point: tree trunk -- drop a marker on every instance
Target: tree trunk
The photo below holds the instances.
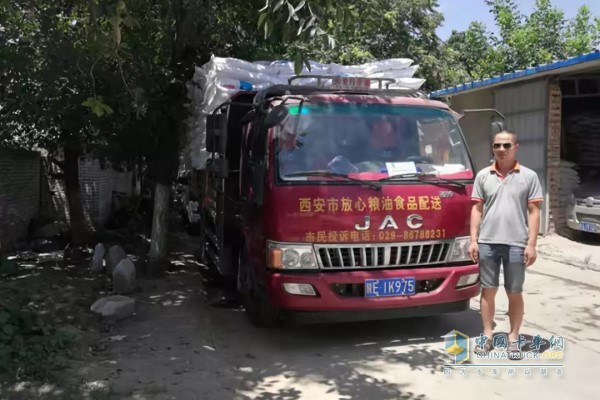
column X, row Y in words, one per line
column 160, row 229
column 167, row 161
column 80, row 234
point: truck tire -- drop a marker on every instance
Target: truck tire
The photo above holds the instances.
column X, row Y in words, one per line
column 259, row 311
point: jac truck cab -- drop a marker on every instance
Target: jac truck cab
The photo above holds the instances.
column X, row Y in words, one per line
column 338, row 200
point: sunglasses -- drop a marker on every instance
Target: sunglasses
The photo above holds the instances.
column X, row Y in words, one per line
column 506, row 146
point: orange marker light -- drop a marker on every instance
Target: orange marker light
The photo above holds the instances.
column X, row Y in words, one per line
column 274, row 258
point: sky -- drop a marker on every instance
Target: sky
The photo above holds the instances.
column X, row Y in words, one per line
column 458, row 14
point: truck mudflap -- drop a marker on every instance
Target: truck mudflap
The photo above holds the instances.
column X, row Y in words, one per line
column 436, row 289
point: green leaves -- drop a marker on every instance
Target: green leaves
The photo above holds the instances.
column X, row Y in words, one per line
column 4, row 317
column 300, row 23
column 97, row 106
column 582, row 34
column 27, row 343
column 298, row 63
column 543, row 36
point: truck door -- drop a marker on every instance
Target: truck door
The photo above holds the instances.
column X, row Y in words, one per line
column 252, row 187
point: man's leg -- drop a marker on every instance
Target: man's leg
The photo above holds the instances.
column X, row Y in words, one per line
column 514, row 276
column 488, row 310
column 516, row 308
column 489, row 273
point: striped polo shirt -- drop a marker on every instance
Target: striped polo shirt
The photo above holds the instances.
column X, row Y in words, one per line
column 505, row 203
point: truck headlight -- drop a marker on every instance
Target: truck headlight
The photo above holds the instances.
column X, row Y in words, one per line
column 290, row 256
column 460, row 249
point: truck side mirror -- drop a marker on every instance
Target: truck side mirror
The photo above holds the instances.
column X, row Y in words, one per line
column 216, row 133
column 497, row 127
column 276, row 116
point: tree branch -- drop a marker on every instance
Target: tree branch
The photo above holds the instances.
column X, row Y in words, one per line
column 92, row 75
column 60, row 164
column 125, row 81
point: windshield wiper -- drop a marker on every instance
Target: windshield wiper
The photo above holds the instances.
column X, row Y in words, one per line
column 422, row 176
column 328, row 174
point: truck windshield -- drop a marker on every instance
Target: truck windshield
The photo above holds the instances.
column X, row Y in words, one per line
column 370, row 142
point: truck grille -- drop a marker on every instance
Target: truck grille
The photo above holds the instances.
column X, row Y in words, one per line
column 381, row 256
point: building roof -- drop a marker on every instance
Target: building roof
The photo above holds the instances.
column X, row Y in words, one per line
column 559, row 67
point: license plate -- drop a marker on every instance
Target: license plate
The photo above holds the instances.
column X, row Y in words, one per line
column 390, row 287
column 585, row 226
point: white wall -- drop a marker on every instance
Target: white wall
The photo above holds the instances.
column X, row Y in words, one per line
column 477, row 126
column 525, row 106
column 97, row 187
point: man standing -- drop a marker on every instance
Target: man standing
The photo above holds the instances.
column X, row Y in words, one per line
column 505, row 221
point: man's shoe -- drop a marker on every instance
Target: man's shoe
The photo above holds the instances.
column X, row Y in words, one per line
column 487, row 347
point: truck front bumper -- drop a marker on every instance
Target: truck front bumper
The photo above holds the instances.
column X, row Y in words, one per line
column 341, row 291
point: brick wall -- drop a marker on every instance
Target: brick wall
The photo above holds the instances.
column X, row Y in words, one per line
column 31, row 189
column 557, row 220
column 19, row 194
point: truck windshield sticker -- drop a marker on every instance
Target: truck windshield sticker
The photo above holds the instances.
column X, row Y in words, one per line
column 397, row 168
column 371, row 203
column 369, row 142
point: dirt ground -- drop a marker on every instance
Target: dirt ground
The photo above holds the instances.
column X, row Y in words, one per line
column 186, row 341
column 162, row 352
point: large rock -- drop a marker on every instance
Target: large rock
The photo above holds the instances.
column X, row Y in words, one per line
column 98, row 258
column 114, row 307
column 113, row 258
column 124, row 281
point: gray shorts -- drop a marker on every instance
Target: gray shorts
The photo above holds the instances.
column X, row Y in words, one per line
column 513, row 264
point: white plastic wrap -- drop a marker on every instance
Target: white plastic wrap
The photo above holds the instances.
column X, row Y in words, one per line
column 220, row 78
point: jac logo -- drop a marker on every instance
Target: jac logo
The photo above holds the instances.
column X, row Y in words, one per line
column 413, row 221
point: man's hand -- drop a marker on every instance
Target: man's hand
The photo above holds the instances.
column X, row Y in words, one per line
column 530, row 255
column 474, row 252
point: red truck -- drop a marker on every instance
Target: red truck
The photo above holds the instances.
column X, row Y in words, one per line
column 332, row 199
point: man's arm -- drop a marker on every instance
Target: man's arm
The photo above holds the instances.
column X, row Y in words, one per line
column 534, row 201
column 476, row 213
column 530, row 254
column 534, row 222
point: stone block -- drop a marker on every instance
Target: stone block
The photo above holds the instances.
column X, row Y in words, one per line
column 124, row 278
column 113, row 257
column 114, row 307
column 98, row 258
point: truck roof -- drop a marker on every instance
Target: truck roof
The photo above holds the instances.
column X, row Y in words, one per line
column 399, row 96
column 388, row 98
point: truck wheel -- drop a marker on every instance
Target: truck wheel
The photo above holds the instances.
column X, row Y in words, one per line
column 259, row 310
